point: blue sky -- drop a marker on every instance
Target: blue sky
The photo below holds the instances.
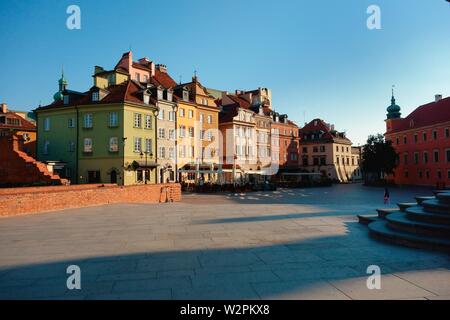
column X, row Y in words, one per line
column 318, row 57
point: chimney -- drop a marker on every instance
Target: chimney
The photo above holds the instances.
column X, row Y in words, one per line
column 3, row 107
column 437, row 97
column 161, row 68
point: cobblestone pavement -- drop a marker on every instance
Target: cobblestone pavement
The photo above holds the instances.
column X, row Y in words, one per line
column 288, row 244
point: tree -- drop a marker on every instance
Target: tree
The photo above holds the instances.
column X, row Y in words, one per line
column 378, row 157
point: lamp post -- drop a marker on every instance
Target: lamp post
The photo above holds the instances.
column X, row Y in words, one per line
column 151, row 156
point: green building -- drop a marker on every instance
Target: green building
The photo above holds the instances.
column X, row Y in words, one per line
column 104, row 135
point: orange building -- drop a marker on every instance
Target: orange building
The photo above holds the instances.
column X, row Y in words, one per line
column 12, row 123
column 422, row 141
column 285, row 142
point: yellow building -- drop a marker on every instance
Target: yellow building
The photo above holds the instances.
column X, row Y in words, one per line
column 198, row 133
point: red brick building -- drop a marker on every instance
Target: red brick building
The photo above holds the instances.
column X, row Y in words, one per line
column 422, row 141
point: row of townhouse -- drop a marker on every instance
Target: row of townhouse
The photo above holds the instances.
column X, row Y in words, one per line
column 137, row 125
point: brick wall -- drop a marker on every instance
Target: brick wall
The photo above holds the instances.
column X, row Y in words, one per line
column 17, row 201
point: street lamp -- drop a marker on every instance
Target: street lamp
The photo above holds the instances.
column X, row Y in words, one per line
column 142, row 155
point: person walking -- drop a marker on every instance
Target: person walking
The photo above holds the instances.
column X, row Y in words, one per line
column 386, row 196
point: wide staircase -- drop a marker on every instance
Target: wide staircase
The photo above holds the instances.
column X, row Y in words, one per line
column 19, row 168
column 422, row 224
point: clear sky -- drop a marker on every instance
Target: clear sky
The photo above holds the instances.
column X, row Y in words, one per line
column 318, row 57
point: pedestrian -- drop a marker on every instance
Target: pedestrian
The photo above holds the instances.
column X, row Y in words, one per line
column 386, row 196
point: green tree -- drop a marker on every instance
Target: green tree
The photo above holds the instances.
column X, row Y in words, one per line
column 378, row 157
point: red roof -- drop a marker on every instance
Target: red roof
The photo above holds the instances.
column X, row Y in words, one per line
column 241, row 102
column 24, row 124
column 164, row 79
column 425, row 115
column 319, row 126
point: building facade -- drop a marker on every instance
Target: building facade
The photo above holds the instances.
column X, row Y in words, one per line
column 422, row 141
column 285, row 142
column 104, row 135
column 329, row 152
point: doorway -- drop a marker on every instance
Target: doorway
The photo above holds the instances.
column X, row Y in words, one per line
column 113, row 177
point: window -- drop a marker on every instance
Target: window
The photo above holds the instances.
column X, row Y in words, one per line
column 415, row 138
column 87, row 145
column 137, row 144
column 447, row 155
column 337, row 160
column 425, row 157
column 315, row 149
column 185, row 95
column 88, row 120
column 209, row 136
column 434, row 135
column 397, row 141
column 47, row 124
column 190, row 114
column 182, row 131
column 171, row 116
column 145, row 78
column 439, row 174
column 436, row 156
column 172, row 134
column 161, row 115
column 202, row 134
column 424, row 136
column 148, row 145
column 337, row 148
column 113, row 144
column 315, row 161
column 113, row 119
column 305, row 150
column 162, row 152
column 209, row 120
column 405, row 140
column 160, row 94
column 181, row 112
column 182, row 151
column 66, row 99
column 322, row 148
column 405, row 158
column 427, row 174
column 71, row 123
column 46, row 147
column 137, row 120
column 137, row 76
column 161, row 133
column 71, row 146
column 95, row 96
column 202, row 118
column 148, row 121
column 191, row 132
column 171, row 153
column 448, row 174
column 447, row 132
column 416, row 157
column 305, row 161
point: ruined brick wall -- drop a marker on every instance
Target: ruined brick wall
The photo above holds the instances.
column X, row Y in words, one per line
column 16, row 201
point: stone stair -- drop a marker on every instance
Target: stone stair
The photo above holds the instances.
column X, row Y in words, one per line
column 19, row 168
column 425, row 224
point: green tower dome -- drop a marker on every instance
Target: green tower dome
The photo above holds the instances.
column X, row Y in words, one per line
column 62, row 82
column 393, row 111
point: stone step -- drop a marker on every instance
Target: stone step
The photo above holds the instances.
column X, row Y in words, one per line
column 436, row 206
column 435, row 192
column 365, row 219
column 383, row 212
column 418, row 213
column 379, row 230
column 443, row 197
column 399, row 221
column 423, row 198
column 404, row 205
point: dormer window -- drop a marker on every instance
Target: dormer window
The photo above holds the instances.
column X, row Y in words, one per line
column 95, row 96
column 185, row 95
column 146, row 98
column 138, row 77
column 66, row 99
column 169, row 95
column 160, row 94
column 145, row 78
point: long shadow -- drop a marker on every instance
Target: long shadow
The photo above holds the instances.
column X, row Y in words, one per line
column 308, row 268
column 275, row 217
column 355, row 194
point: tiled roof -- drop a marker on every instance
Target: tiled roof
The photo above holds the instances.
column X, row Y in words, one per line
column 318, row 125
column 164, row 79
column 128, row 91
column 23, row 123
column 425, row 115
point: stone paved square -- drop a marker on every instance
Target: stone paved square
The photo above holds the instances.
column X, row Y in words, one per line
column 287, row 244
